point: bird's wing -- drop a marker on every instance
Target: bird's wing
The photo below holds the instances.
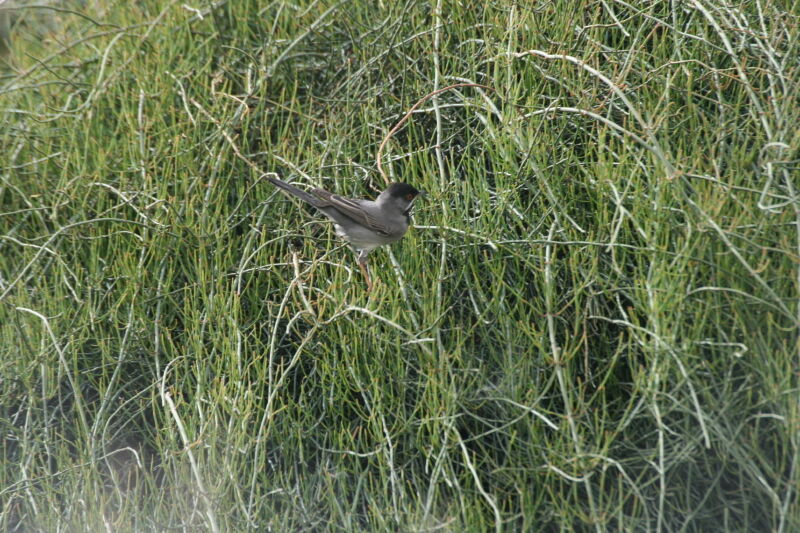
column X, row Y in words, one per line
column 352, row 209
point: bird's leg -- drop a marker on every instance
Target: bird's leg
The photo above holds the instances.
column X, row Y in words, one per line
column 362, row 264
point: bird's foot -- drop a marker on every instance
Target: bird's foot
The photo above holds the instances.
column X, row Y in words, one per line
column 365, row 272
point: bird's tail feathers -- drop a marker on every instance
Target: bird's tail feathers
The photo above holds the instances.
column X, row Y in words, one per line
column 291, row 189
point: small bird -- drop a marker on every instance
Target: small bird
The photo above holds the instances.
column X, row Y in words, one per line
column 365, row 224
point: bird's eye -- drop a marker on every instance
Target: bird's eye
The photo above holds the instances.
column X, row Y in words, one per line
column 409, row 197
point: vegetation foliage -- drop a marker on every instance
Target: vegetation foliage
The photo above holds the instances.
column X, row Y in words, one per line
column 592, row 326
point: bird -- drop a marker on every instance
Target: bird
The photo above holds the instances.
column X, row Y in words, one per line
column 364, row 224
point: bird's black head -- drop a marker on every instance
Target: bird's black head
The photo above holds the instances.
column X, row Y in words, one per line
column 401, row 190
column 400, row 195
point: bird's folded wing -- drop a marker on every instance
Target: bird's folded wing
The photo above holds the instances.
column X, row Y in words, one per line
column 352, row 209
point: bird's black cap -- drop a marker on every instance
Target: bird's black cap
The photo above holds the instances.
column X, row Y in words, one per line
column 402, row 190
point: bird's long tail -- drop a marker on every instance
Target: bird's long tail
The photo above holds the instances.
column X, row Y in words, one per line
column 303, row 195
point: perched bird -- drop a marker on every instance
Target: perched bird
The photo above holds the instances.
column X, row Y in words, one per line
column 365, row 224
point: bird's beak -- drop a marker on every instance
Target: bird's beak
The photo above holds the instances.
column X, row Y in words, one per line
column 423, row 193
